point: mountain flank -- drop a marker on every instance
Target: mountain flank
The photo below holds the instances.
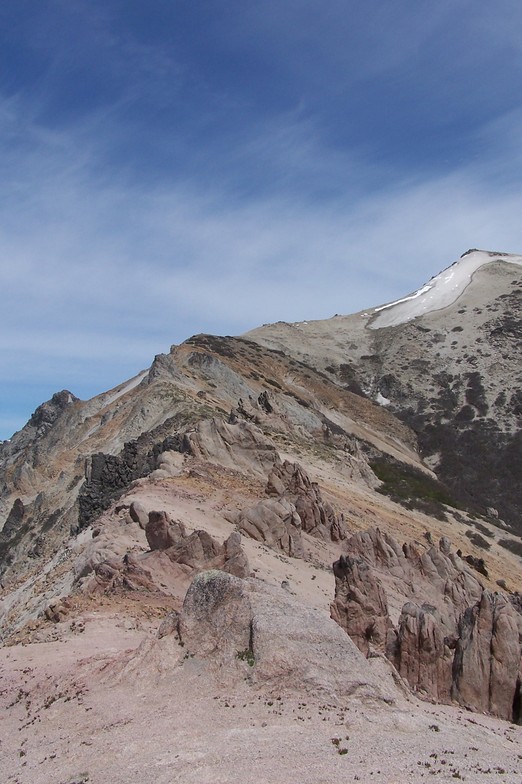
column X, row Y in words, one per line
column 307, row 532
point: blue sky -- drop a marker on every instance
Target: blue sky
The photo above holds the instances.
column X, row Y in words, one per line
column 168, row 168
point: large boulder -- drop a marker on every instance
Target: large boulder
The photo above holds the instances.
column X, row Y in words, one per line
column 138, row 514
column 261, row 630
column 162, row 532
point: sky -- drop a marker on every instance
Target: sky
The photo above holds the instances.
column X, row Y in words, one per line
column 173, row 167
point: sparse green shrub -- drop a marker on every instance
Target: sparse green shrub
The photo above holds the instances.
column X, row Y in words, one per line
column 411, row 488
column 478, row 540
column 513, row 545
column 483, row 529
column 246, row 655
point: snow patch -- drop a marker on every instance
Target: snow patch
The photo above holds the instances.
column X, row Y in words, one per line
column 119, row 391
column 441, row 291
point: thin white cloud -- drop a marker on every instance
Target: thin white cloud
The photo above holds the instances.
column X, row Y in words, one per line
column 98, row 273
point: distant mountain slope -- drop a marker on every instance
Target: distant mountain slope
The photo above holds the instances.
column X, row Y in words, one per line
column 74, row 457
column 447, row 361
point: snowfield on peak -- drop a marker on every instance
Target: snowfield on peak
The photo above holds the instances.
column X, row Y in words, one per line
column 440, row 292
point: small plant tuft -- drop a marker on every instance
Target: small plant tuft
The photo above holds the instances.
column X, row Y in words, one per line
column 246, row 655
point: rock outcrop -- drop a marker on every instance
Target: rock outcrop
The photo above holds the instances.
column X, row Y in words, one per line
column 174, row 557
column 463, row 645
column 198, row 550
column 294, row 506
column 421, row 653
column 488, row 657
column 127, row 573
column 437, row 576
column 265, row 633
column 275, row 522
column 318, row 518
column 239, row 445
column 360, row 606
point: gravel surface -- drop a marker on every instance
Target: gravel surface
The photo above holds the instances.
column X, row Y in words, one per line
column 113, row 704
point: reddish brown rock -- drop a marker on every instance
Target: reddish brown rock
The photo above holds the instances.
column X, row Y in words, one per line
column 198, row 550
column 274, row 522
column 162, row 532
column 58, row 610
column 126, row 573
column 360, row 606
column 488, row 657
column 436, row 575
column 236, row 562
column 318, row 517
column 421, row 654
column 463, row 646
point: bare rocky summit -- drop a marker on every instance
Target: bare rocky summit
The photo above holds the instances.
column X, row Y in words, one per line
column 166, row 554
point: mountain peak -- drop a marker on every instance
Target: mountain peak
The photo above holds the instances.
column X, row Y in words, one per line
column 441, row 291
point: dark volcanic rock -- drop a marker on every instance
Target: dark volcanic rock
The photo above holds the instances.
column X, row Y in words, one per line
column 108, row 476
column 47, row 414
column 14, row 519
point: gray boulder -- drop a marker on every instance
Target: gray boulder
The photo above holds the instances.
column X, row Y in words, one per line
column 265, row 633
